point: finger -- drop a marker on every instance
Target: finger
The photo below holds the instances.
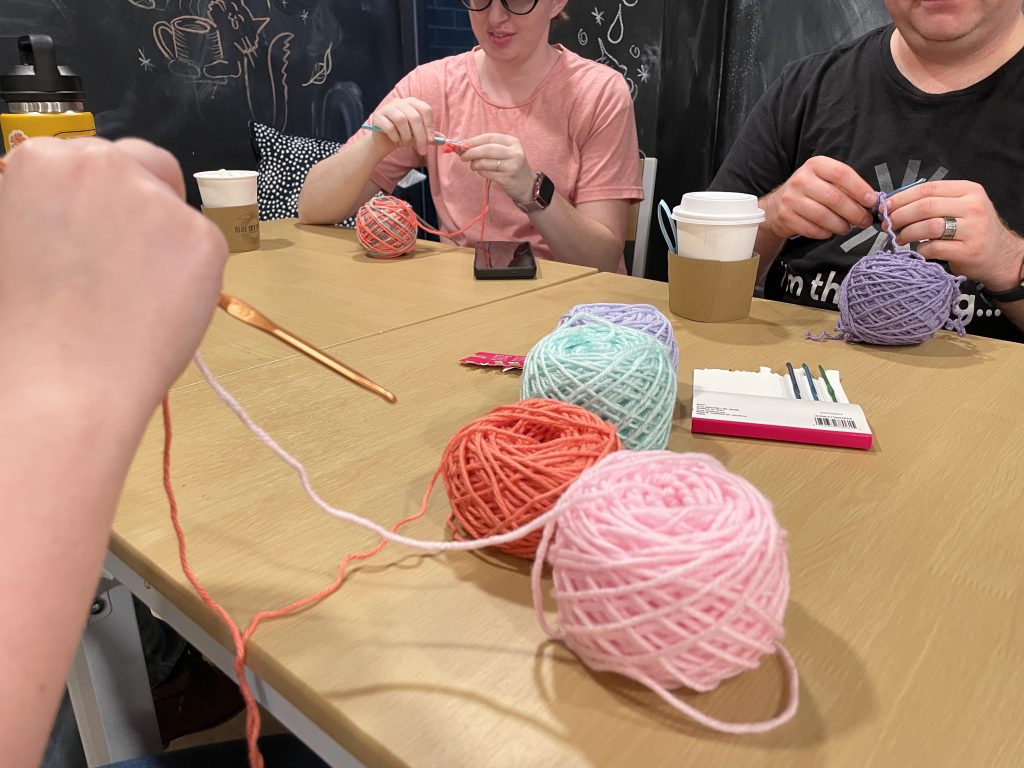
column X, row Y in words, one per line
column 843, row 177
column 810, row 208
column 500, row 139
column 479, row 153
column 417, row 128
column 403, row 115
column 804, row 227
column 941, row 188
column 928, row 208
column 387, row 127
column 953, row 252
column 158, row 161
column 929, row 229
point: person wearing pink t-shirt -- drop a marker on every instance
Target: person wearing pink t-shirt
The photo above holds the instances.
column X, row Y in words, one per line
column 554, row 133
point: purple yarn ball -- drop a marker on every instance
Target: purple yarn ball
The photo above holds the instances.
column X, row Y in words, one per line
column 894, row 298
column 642, row 317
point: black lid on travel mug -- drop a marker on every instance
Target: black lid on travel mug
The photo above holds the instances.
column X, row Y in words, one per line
column 37, row 77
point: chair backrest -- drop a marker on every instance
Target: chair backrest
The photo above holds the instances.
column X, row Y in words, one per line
column 640, row 218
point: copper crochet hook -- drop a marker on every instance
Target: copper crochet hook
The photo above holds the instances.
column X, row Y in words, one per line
column 250, row 315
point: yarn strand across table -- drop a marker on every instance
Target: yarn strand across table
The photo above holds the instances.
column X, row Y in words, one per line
column 544, row 521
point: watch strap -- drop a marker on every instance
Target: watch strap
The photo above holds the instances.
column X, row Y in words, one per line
column 538, row 201
column 1014, row 294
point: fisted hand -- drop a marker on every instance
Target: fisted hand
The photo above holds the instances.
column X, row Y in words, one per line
column 107, row 278
column 824, row 197
column 975, row 242
column 404, row 123
column 501, row 159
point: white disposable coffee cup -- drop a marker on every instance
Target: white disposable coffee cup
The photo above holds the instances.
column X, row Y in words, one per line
column 717, row 226
column 227, row 189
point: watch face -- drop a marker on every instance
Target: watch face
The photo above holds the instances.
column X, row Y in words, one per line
column 546, row 191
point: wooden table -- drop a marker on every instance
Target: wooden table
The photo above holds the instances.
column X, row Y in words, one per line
column 907, row 561
column 299, row 268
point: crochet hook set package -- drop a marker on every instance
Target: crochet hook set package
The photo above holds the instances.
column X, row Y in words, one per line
column 786, row 407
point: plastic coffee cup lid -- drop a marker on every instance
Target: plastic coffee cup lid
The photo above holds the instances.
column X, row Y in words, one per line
column 224, row 174
column 718, row 208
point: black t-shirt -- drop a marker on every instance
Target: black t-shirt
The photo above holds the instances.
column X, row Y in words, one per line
column 852, row 104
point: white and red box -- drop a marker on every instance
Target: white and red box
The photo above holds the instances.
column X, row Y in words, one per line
column 763, row 405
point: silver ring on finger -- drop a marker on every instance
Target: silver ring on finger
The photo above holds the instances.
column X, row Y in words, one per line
column 949, row 233
column 497, row 166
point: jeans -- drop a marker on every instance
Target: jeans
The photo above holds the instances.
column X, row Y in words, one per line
column 161, row 647
column 283, row 751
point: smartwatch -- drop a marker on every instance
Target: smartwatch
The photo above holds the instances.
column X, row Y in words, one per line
column 1014, row 294
column 543, row 192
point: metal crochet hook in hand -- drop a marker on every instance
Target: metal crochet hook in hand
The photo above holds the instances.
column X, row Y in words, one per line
column 239, row 310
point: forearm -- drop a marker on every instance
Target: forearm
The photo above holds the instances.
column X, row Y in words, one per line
column 337, row 186
column 578, row 239
column 1013, row 252
column 63, row 459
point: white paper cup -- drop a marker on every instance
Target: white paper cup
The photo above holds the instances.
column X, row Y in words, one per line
column 717, row 226
column 227, row 189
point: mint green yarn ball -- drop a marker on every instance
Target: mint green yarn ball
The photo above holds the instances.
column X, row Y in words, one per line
column 620, row 374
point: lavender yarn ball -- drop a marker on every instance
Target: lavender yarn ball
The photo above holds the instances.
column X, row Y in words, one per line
column 620, row 374
column 892, row 298
column 642, row 317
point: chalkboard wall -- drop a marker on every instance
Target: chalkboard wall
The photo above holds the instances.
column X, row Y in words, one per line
column 190, row 74
column 762, row 36
column 626, row 35
column 697, row 67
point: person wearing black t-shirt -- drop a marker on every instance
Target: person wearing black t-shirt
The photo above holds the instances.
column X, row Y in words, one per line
column 938, row 94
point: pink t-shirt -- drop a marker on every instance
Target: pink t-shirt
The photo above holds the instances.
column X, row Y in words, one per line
column 577, row 126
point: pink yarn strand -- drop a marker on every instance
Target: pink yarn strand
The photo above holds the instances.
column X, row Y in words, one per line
column 752, row 571
column 349, row 517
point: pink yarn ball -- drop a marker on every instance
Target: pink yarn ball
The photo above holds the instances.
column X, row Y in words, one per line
column 386, row 227
column 667, row 569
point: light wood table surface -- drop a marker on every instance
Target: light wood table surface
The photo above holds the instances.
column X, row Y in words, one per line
column 906, row 619
column 317, row 282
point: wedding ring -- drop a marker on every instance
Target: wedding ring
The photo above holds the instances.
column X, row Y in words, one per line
column 950, row 231
column 497, row 166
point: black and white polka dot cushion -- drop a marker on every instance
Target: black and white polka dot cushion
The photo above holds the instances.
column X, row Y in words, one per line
column 284, row 161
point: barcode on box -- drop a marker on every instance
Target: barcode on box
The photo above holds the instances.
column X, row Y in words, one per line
column 827, row 421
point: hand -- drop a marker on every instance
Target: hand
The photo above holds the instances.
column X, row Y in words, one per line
column 501, row 159
column 404, row 123
column 983, row 248
column 824, row 197
column 107, row 279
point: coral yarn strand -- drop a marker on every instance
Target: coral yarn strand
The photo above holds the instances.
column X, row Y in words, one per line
column 240, row 639
column 485, row 209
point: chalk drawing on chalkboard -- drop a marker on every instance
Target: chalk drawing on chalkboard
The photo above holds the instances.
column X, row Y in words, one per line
column 611, row 37
column 616, row 29
column 145, row 62
column 321, row 70
column 226, row 44
column 150, row 5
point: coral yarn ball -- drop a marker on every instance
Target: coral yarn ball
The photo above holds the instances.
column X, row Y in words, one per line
column 642, row 317
column 668, row 569
column 386, row 227
column 511, row 465
column 621, row 374
column 897, row 298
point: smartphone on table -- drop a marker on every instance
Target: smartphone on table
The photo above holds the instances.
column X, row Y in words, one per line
column 504, row 260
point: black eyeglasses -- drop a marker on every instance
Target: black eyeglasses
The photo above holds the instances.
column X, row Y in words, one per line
column 517, row 7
